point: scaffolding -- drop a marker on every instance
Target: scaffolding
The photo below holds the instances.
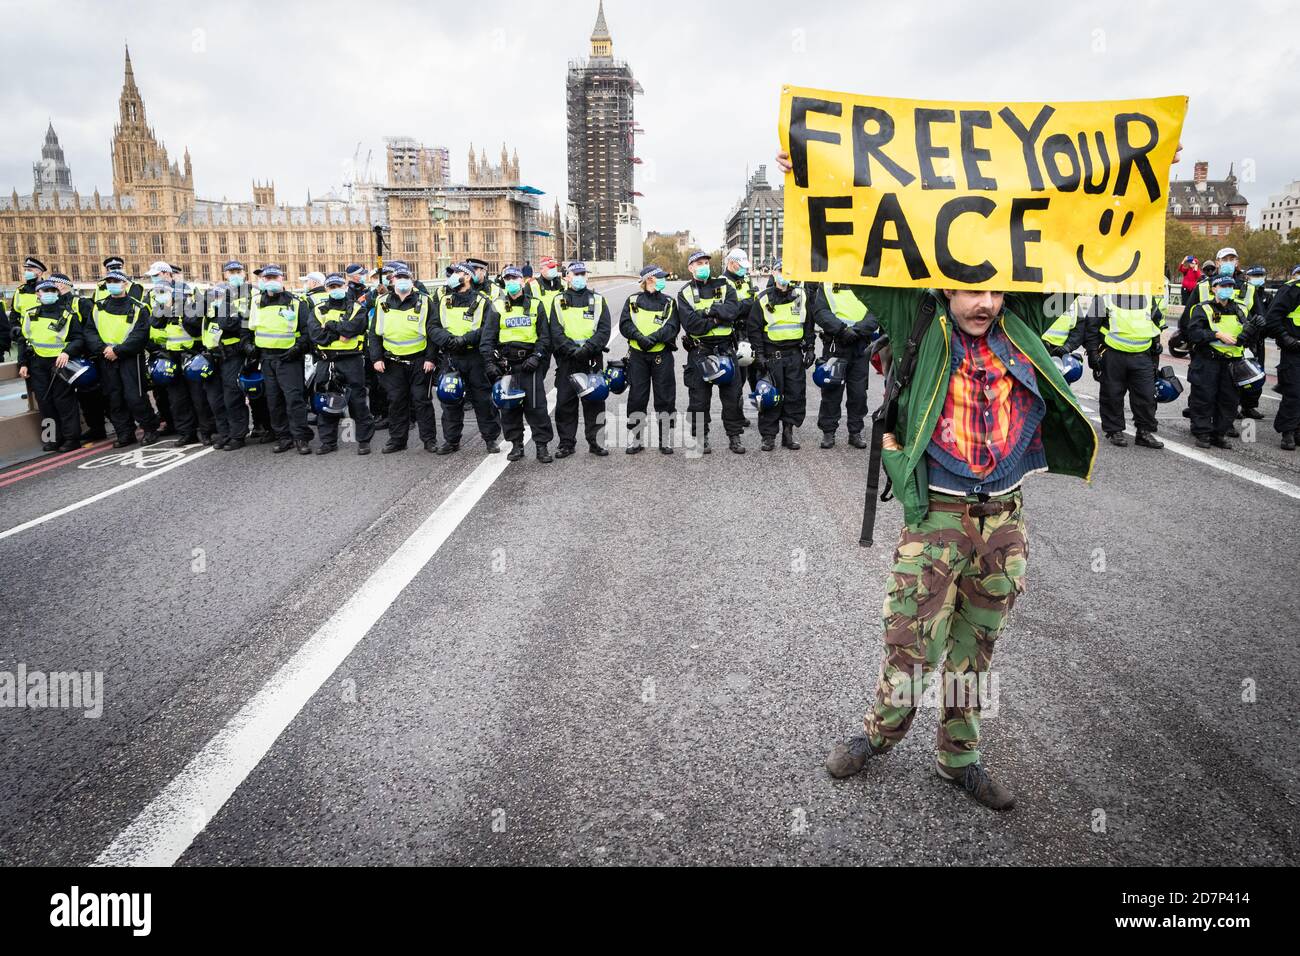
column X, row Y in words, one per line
column 599, row 112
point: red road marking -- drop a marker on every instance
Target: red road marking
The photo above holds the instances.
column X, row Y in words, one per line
column 39, row 467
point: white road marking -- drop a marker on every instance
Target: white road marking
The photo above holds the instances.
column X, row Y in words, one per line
column 1239, row 471
column 165, row 828
column 75, row 506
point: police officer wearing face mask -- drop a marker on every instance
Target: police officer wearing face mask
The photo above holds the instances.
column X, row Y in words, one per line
column 580, row 327
column 337, row 326
column 360, row 293
column 116, row 335
column 404, row 355
column 736, row 271
column 781, row 329
column 277, row 321
column 51, row 334
column 177, row 327
column 1282, row 322
column 115, row 264
column 709, row 314
column 649, row 323
column 25, row 296
column 1255, row 300
column 91, row 401
column 481, row 280
column 549, row 283
column 1213, row 331
column 226, row 341
column 456, row 328
column 516, row 341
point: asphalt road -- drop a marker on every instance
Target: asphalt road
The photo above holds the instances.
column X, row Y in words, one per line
column 639, row 660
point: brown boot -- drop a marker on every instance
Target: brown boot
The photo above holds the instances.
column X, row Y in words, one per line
column 849, row 757
column 975, row 780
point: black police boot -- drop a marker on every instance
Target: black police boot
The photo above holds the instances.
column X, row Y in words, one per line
column 187, row 440
column 975, row 780
column 151, row 438
column 856, row 440
column 124, row 441
column 735, row 444
column 493, row 447
column 1117, row 439
column 597, row 450
column 769, row 443
column 1288, row 441
column 1221, row 441
column 448, row 448
column 1202, row 441
column 363, row 448
column 516, row 451
column 50, row 446
column 564, row 451
column 634, row 447
column 303, row 446
column 431, row 446
column 544, row 456
column 849, row 757
column 787, row 438
column 234, row 444
column 1232, row 432
column 1254, row 413
column 392, row 447
column 327, row 449
column 665, row 446
column 1148, row 440
column 68, row 446
column 828, row 440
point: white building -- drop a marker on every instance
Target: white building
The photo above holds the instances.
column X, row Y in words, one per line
column 1282, row 214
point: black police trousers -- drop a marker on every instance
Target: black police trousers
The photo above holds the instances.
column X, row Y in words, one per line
column 700, row 397
column 645, row 369
column 407, row 386
column 93, row 404
column 857, row 370
column 188, row 401
column 224, row 392
column 284, row 395
column 1288, row 383
column 533, row 408
column 785, row 369
column 351, row 371
column 60, row 415
column 567, row 405
column 1213, row 399
column 128, row 405
column 478, row 393
column 1134, row 373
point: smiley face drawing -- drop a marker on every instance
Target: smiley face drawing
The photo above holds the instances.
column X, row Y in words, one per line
column 1107, row 219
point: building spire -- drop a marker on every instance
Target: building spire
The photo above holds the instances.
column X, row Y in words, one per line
column 602, row 45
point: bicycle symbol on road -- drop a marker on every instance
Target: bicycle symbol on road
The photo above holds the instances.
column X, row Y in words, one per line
column 151, row 457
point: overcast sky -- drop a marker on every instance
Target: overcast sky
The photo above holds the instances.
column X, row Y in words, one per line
column 286, row 91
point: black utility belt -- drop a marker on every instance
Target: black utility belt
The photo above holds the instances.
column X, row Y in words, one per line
column 784, row 346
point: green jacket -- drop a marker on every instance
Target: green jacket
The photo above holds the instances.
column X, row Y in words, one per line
column 1069, row 440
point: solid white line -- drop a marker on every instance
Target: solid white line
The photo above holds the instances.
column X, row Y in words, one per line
column 102, row 495
column 168, row 825
column 1240, row 471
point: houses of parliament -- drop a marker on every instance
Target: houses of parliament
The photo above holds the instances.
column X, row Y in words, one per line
column 154, row 214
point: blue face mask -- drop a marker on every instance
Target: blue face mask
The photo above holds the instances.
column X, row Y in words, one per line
column 29, row 275
column 1227, row 268
column 1257, row 282
column 1224, row 292
column 339, row 293
column 514, row 287
column 403, row 285
column 272, row 287
column 235, row 280
column 49, row 298
column 551, row 273
column 781, row 281
column 661, row 284
column 579, row 283
column 114, row 288
column 742, row 271
column 702, row 273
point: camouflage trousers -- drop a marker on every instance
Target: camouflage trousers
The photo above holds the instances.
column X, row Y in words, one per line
column 954, row 580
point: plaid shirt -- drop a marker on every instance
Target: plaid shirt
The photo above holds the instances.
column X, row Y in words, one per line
column 987, row 409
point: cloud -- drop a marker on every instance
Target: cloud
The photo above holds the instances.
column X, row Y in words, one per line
column 287, row 91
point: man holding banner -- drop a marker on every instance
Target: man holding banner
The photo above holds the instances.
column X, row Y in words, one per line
column 949, row 219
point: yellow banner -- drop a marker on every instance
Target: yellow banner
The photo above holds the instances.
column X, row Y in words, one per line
column 1008, row 196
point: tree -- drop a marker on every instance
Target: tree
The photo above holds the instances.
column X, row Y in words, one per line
column 663, row 252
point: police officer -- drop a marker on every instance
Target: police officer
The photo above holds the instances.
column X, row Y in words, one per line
column 226, row 343
column 1213, row 328
column 359, row 292
column 481, row 281
column 91, row 400
column 1122, row 338
column 115, row 264
column 1065, row 335
column 405, row 355
column 25, row 296
column 116, row 336
column 736, row 271
column 1282, row 322
column 709, row 315
column 277, row 320
column 456, row 329
column 580, row 329
column 313, row 287
column 51, row 334
column 847, row 329
column 1255, row 300
column 337, row 327
column 549, row 283
column 516, row 341
column 649, row 323
column 781, row 329
column 160, row 296
column 1226, row 263
column 177, row 327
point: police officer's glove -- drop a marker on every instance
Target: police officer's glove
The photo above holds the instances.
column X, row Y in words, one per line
column 1289, row 342
column 809, row 357
column 1060, row 351
column 846, row 336
column 494, row 371
column 248, row 348
column 1158, row 348
column 530, row 364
